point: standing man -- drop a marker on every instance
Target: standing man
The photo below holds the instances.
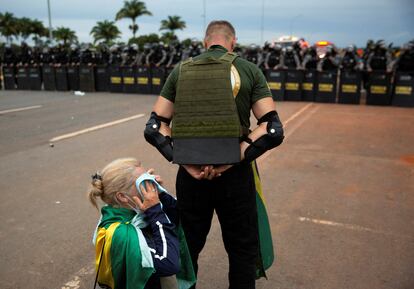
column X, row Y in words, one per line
column 209, row 98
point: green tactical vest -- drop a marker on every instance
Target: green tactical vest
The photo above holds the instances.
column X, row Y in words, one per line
column 206, row 127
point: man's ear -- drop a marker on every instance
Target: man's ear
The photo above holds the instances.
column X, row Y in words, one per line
column 233, row 43
column 205, row 44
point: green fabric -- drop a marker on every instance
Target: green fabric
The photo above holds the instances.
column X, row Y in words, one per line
column 126, row 259
column 204, row 104
column 266, row 253
column 127, row 271
column 186, row 277
column 126, row 267
column 253, row 83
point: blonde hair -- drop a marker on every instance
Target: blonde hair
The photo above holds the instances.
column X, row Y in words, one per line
column 220, row 27
column 117, row 176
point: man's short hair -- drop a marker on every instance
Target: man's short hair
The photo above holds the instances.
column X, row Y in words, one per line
column 220, row 27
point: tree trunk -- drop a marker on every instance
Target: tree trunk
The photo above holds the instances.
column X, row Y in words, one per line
column 134, row 31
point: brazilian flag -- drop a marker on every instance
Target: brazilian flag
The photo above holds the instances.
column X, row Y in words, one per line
column 121, row 266
column 266, row 254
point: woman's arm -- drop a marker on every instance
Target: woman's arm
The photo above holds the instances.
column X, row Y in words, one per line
column 163, row 243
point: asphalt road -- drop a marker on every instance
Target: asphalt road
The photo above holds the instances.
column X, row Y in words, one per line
column 339, row 192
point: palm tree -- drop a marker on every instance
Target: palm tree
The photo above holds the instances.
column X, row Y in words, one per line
column 24, row 27
column 38, row 30
column 168, row 36
column 106, row 31
column 172, row 23
column 65, row 34
column 132, row 9
column 8, row 26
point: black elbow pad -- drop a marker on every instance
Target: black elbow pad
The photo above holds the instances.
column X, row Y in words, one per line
column 273, row 138
column 152, row 135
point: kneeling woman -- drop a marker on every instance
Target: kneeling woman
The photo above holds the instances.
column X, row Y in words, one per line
column 138, row 243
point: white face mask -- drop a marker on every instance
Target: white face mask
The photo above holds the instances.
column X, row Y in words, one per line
column 133, row 207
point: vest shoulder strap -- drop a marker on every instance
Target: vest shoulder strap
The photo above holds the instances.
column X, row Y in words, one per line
column 189, row 60
column 229, row 57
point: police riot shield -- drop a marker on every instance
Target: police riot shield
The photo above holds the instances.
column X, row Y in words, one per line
column 350, row 87
column 35, row 78
column 73, row 77
column 9, row 77
column 115, row 79
column 143, row 80
column 157, row 79
column 404, row 89
column 129, row 79
column 326, row 87
column 48, row 75
column 379, row 88
column 276, row 82
column 86, row 78
column 308, row 85
column 293, row 85
column 22, row 78
column 168, row 71
column 102, row 78
column 61, row 78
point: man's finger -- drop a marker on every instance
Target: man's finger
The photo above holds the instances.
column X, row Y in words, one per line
column 151, row 171
column 212, row 174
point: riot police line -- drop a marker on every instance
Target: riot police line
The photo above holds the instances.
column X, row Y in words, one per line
column 301, row 74
column 294, row 72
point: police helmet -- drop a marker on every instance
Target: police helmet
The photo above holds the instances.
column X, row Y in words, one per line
column 380, row 44
column 147, row 46
column 85, row 46
column 194, row 42
column 277, row 47
column 289, row 49
column 73, row 47
column 350, row 48
column 410, row 45
column 113, row 48
column 134, row 47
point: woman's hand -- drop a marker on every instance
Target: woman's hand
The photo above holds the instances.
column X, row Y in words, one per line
column 150, row 196
column 157, row 177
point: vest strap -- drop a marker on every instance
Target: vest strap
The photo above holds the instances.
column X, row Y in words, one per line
column 229, row 57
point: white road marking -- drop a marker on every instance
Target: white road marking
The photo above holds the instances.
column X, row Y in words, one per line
column 301, row 121
column 351, row 227
column 291, row 131
column 20, row 109
column 90, row 129
column 296, row 114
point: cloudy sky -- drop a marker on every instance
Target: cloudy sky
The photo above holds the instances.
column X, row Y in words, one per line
column 342, row 22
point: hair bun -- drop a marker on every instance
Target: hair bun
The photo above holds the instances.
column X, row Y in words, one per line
column 97, row 184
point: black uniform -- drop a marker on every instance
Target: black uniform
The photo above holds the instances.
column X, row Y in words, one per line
column 157, row 55
column 310, row 59
column 405, row 61
column 274, row 58
column 291, row 59
column 350, row 60
column 329, row 62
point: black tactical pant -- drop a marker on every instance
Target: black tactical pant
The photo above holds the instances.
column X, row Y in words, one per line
column 233, row 197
